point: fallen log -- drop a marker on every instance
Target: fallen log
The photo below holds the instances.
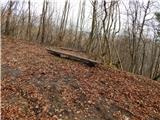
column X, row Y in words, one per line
column 86, row 61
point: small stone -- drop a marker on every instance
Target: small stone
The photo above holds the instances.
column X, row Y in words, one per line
column 89, row 102
column 37, row 106
column 78, row 112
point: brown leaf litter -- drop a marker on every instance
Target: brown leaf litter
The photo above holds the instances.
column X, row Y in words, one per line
column 39, row 86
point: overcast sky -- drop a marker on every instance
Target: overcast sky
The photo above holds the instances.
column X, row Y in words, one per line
column 59, row 4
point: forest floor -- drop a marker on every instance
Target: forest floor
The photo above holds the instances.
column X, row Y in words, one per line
column 36, row 85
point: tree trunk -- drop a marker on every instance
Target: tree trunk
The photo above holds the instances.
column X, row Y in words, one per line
column 9, row 13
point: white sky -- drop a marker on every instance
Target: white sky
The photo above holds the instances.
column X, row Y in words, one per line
column 59, row 4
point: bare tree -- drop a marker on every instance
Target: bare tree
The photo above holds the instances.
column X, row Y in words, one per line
column 94, row 17
column 28, row 33
column 63, row 23
column 141, row 34
column 77, row 24
column 9, row 13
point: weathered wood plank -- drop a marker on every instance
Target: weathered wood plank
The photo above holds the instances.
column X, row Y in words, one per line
column 68, row 49
column 87, row 61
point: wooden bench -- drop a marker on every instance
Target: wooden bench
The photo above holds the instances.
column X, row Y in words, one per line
column 66, row 55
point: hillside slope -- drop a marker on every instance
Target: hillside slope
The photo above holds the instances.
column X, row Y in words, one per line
column 37, row 85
